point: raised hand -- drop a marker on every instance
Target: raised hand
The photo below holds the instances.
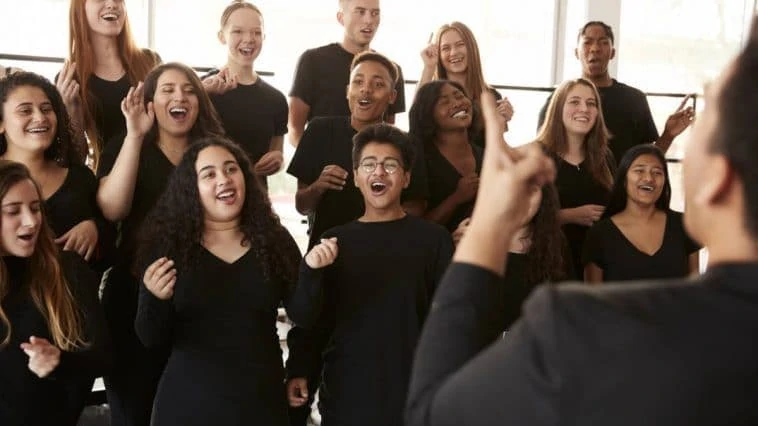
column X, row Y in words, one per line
column 82, row 238
column 430, row 56
column 139, row 117
column 332, row 177
column 297, row 391
column 160, row 278
column 68, row 87
column 270, row 163
column 43, row 356
column 680, row 119
column 323, row 254
column 220, row 83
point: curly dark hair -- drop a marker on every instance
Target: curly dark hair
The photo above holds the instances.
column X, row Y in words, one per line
column 207, row 123
column 174, row 227
column 619, row 195
column 384, row 134
column 61, row 149
column 547, row 259
column 421, row 123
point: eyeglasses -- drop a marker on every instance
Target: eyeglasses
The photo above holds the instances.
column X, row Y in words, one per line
column 389, row 165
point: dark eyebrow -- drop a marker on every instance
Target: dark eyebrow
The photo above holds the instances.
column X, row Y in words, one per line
column 211, row 166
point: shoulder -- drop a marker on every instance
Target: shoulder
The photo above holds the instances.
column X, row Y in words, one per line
column 320, row 52
column 433, row 230
column 627, row 90
column 270, row 90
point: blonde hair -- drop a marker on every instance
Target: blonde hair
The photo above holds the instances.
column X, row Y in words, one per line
column 136, row 62
column 235, row 6
column 45, row 279
column 552, row 134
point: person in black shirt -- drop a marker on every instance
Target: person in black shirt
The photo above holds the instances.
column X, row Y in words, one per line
column 163, row 116
column 254, row 113
column 318, row 87
column 677, row 352
column 454, row 55
column 225, row 365
column 52, row 336
column 625, row 108
column 373, row 315
column 440, row 120
column 103, row 62
column 639, row 236
column 575, row 136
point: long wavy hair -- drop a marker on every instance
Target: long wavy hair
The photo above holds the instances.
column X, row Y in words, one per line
column 44, row 276
column 137, row 63
column 553, row 137
column 61, row 149
column 208, row 122
column 421, row 123
column 545, row 258
column 174, row 227
column 619, row 195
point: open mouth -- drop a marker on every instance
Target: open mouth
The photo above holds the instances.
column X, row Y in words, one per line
column 247, row 51
column 364, row 102
column 367, row 31
column 42, row 129
column 646, row 188
column 110, row 17
column 226, row 195
column 456, row 60
column 178, row 113
column 378, row 187
column 26, row 237
column 582, row 119
column 462, row 114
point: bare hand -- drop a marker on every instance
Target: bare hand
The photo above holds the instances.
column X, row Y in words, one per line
column 43, row 356
column 505, row 112
column 220, row 83
column 139, row 118
column 587, row 214
column 332, row 177
column 460, row 231
column 160, row 278
column 297, row 391
column 430, row 56
column 82, row 238
column 467, row 187
column 270, row 163
column 323, row 254
column 680, row 119
column 68, row 87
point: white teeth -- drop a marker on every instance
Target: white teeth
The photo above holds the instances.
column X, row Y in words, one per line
column 647, row 188
column 178, row 110
column 246, row 51
column 226, row 194
column 456, row 60
column 110, row 16
column 38, row 130
column 460, row 114
column 377, row 186
column 363, row 102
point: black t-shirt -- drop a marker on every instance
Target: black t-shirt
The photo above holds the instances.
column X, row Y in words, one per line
column 608, row 248
column 108, row 95
column 329, row 140
column 321, row 78
column 74, row 201
column 153, row 173
column 25, row 399
column 252, row 114
column 627, row 116
column 374, row 299
column 443, row 177
column 477, row 128
column 576, row 187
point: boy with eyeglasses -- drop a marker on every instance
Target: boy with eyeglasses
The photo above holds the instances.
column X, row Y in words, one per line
column 368, row 283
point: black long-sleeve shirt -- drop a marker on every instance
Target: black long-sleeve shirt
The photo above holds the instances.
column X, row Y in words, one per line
column 26, row 399
column 660, row 353
column 372, row 301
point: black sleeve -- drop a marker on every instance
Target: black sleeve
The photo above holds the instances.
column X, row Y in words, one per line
column 109, row 155
column 543, row 112
column 444, row 255
column 513, row 381
column 399, row 105
column 650, row 132
column 155, row 318
column 281, row 116
column 593, row 250
column 305, row 306
column 307, row 162
column 303, row 86
column 690, row 245
column 418, row 189
column 93, row 359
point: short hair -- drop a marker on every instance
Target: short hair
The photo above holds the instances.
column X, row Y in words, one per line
column 379, row 58
column 736, row 136
column 384, row 134
column 618, row 199
column 607, row 28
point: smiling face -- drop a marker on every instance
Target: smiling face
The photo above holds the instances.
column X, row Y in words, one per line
column 645, row 180
column 29, row 121
column 453, row 109
column 176, row 103
column 21, row 219
column 370, row 92
column 243, row 36
column 105, row 17
column 580, row 110
column 453, row 53
column 381, row 176
column 361, row 20
column 221, row 185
